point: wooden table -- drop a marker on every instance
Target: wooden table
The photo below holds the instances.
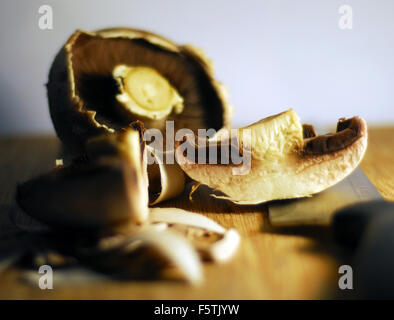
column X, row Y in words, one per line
column 298, row 263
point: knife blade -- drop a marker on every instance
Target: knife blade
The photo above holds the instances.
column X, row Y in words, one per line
column 319, row 209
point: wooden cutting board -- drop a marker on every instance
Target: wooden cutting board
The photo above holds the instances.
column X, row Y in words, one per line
column 272, row 263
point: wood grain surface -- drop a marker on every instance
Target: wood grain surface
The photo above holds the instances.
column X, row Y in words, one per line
column 293, row 263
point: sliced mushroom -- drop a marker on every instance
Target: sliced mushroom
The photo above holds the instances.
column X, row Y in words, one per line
column 101, row 81
column 166, row 180
column 144, row 255
column 212, row 240
column 110, row 190
column 287, row 160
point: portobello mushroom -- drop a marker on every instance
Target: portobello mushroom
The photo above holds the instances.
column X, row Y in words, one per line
column 102, row 81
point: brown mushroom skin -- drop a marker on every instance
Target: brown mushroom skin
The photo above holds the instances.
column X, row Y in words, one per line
column 75, row 121
column 72, row 126
column 348, row 131
column 80, row 196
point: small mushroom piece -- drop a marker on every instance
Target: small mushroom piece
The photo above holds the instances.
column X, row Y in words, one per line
column 144, row 255
column 213, row 242
column 166, row 180
column 281, row 159
column 108, row 191
column 101, row 81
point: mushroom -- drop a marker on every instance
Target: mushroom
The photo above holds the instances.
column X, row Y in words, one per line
column 213, row 242
column 166, row 180
column 108, row 190
column 281, row 159
column 106, row 194
column 143, row 254
column 101, row 81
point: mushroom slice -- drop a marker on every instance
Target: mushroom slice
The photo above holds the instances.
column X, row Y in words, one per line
column 166, row 181
column 110, row 190
column 101, row 81
column 212, row 240
column 144, row 254
column 279, row 162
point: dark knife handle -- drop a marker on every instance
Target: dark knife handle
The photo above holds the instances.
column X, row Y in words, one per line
column 368, row 227
column 349, row 224
column 373, row 263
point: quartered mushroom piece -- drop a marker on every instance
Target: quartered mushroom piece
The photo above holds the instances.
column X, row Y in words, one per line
column 107, row 190
column 101, row 81
column 282, row 159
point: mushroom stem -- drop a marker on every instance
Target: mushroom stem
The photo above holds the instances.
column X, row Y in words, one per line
column 144, row 91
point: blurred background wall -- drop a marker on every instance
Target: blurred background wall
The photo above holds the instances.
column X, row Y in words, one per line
column 271, row 54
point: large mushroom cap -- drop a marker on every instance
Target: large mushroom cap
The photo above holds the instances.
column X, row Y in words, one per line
column 282, row 159
column 90, row 80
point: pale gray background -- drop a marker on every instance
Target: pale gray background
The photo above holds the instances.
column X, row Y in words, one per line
column 272, row 55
